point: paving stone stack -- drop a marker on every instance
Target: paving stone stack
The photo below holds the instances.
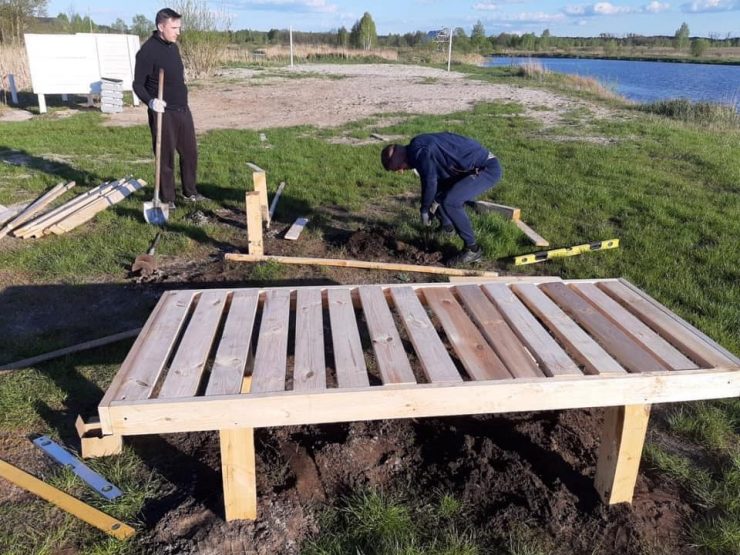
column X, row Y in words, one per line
column 111, row 95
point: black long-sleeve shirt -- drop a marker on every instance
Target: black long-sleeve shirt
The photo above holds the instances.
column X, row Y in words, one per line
column 441, row 156
column 154, row 54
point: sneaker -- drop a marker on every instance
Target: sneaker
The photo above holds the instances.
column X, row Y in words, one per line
column 197, row 197
column 170, row 205
column 466, row 256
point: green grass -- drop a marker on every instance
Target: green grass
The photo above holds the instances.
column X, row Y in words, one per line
column 667, row 189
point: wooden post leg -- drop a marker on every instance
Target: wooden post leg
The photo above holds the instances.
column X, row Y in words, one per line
column 254, row 224
column 238, row 469
column 622, row 438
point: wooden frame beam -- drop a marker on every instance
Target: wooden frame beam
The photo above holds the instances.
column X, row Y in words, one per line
column 413, row 401
column 344, row 263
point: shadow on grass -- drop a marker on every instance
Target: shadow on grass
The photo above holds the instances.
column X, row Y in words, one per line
column 15, row 157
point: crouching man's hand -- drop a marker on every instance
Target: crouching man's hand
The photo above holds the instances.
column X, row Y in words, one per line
column 426, row 218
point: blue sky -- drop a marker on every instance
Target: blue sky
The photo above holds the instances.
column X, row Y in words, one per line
column 562, row 17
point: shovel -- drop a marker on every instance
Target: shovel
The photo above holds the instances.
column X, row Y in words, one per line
column 146, row 264
column 155, row 212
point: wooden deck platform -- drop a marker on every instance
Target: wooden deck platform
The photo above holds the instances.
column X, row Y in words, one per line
column 233, row 360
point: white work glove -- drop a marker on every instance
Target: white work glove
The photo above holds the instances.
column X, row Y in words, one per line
column 157, row 105
column 426, row 218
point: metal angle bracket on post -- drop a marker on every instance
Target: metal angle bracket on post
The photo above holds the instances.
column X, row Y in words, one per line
column 84, row 472
column 567, row 251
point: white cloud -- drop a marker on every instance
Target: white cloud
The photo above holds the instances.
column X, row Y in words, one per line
column 656, row 7
column 699, row 6
column 599, row 8
column 527, row 17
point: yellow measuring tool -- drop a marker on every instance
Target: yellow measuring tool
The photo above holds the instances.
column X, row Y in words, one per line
column 567, row 251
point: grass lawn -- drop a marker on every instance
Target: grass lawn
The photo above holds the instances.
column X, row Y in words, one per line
column 670, row 191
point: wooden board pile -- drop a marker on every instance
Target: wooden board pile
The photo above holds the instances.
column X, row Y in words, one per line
column 33, row 222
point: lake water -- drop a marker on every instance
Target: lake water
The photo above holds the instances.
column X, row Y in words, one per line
column 649, row 81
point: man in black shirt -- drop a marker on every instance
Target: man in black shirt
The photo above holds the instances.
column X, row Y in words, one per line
column 178, row 131
column 453, row 170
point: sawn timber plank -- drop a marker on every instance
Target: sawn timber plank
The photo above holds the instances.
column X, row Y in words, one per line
column 577, row 342
column 393, row 363
column 186, row 370
column 233, row 351
column 270, row 361
column 435, row 361
column 349, row 359
column 309, row 371
column 478, row 358
column 552, row 358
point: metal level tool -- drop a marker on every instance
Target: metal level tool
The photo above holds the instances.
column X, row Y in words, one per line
column 567, row 251
column 85, row 473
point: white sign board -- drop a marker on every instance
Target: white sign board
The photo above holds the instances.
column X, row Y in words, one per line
column 74, row 64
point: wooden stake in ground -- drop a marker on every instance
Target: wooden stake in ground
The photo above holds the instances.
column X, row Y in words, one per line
column 273, row 204
column 64, row 501
column 359, row 264
column 255, row 245
column 259, row 179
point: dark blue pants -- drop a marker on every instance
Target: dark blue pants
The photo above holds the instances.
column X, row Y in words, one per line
column 452, row 197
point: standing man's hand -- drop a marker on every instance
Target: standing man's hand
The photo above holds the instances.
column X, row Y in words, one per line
column 157, row 105
column 426, row 218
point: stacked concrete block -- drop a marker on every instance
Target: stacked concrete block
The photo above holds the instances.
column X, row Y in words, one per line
column 111, row 95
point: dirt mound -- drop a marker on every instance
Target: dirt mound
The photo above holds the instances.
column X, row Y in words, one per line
column 379, row 243
column 530, row 469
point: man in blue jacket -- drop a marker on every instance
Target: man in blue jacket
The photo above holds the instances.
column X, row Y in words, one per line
column 453, row 170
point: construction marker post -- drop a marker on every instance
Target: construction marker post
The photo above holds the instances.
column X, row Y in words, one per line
column 567, row 251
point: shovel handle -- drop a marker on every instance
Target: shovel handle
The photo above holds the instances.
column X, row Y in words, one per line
column 158, row 146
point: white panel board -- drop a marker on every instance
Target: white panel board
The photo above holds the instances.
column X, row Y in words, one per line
column 74, row 64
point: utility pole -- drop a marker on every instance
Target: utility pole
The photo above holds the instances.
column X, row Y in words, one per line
column 449, row 51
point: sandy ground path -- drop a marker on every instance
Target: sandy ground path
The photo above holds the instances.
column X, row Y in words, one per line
column 327, row 95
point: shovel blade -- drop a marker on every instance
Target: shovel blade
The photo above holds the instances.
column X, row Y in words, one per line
column 156, row 214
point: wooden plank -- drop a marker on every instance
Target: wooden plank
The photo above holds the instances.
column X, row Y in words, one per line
column 238, row 470
column 186, row 370
column 349, row 360
column 673, row 331
column 620, row 317
column 295, row 230
column 66, row 502
column 479, row 360
column 89, row 211
column 36, row 207
column 504, row 341
column 270, row 361
column 483, row 206
column 259, row 179
column 255, row 244
column 146, row 360
column 577, row 342
column 504, row 279
column 622, row 439
column 435, row 361
column 234, row 349
column 631, row 354
column 551, row 357
column 92, row 344
column 393, row 363
column 358, row 264
column 420, row 400
column 309, row 371
column 35, row 227
column 531, row 234
column 9, row 212
column 275, row 199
